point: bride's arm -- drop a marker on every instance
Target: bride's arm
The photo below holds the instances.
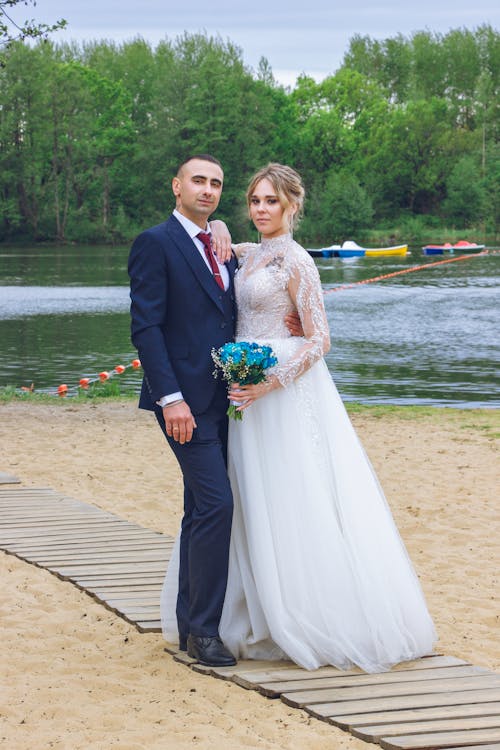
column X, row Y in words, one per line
column 305, row 290
column 221, row 239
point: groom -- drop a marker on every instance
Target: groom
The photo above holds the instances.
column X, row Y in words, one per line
column 182, row 305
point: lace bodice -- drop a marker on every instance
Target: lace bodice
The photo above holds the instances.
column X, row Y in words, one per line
column 275, row 278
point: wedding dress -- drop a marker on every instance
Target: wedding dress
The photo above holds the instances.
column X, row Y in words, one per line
column 317, row 571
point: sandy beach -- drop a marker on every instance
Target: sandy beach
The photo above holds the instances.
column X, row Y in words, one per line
column 77, row 676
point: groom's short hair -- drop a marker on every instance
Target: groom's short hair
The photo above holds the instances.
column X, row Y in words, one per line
column 201, row 157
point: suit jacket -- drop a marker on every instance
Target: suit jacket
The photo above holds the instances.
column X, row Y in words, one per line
column 178, row 314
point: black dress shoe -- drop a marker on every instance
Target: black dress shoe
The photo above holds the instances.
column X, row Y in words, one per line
column 210, row 651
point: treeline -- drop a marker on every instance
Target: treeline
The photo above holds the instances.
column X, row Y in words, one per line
column 405, row 134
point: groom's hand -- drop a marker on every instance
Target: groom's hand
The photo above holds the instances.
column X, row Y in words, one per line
column 179, row 422
column 292, row 322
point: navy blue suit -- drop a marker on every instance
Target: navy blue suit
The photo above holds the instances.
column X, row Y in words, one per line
column 178, row 314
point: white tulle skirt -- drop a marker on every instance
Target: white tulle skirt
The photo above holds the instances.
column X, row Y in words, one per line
column 318, row 572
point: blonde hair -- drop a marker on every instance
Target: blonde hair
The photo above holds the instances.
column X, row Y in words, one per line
column 287, row 184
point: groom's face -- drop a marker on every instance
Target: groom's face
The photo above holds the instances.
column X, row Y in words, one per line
column 197, row 188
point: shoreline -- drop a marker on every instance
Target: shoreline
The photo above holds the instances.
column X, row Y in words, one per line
column 79, row 676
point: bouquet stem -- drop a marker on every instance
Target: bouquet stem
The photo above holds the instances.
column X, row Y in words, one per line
column 233, row 412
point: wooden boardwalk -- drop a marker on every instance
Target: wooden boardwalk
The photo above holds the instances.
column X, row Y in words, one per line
column 431, row 703
column 120, row 564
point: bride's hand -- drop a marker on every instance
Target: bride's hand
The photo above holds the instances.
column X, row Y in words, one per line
column 221, row 240
column 243, row 396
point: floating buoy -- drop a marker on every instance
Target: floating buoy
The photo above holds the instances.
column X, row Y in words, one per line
column 85, row 383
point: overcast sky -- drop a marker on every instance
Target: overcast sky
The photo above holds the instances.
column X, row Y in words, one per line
column 296, row 37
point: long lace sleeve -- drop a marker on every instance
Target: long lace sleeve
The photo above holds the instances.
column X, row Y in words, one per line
column 305, row 291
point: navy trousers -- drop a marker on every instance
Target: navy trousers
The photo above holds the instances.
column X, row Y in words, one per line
column 206, row 525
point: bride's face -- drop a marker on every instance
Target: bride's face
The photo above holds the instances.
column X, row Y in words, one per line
column 266, row 211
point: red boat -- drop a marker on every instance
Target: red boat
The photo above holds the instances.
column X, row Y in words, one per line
column 462, row 247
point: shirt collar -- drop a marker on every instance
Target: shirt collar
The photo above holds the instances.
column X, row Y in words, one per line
column 191, row 228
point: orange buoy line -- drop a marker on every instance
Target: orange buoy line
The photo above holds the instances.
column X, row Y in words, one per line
column 84, row 383
column 405, row 270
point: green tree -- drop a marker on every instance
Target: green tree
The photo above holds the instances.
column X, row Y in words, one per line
column 465, row 200
column 491, row 186
column 408, row 157
column 12, row 30
column 338, row 208
column 24, row 138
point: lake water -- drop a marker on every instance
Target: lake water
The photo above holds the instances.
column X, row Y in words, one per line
column 426, row 337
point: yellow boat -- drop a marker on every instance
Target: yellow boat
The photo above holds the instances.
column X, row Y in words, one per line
column 395, row 250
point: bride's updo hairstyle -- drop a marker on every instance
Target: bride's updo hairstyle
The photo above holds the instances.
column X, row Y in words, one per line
column 288, row 186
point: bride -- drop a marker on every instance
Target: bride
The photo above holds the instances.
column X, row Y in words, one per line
column 317, row 571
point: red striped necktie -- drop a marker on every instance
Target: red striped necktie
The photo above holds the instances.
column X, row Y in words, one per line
column 207, row 243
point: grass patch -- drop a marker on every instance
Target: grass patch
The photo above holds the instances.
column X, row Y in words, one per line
column 487, row 421
column 402, row 412
column 96, row 391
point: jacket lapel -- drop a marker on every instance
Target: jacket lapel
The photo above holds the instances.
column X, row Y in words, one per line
column 190, row 252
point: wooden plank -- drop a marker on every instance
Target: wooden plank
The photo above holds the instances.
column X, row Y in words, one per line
column 148, row 626
column 489, row 746
column 348, row 680
column 51, row 511
column 17, row 496
column 437, row 740
column 129, row 596
column 416, row 714
column 139, row 613
column 137, row 579
column 89, row 547
column 79, row 542
column 373, row 733
column 75, row 537
column 8, row 478
column 126, row 565
column 73, row 519
column 19, row 491
column 297, row 673
column 118, row 583
column 86, row 525
column 49, row 532
column 139, row 574
column 331, row 711
column 100, row 569
column 228, row 673
column 303, row 697
column 142, row 555
column 127, row 589
column 136, row 606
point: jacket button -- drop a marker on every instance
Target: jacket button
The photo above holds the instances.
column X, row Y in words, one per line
column 222, row 325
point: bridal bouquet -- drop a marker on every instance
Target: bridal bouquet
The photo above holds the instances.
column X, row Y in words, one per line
column 242, row 363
